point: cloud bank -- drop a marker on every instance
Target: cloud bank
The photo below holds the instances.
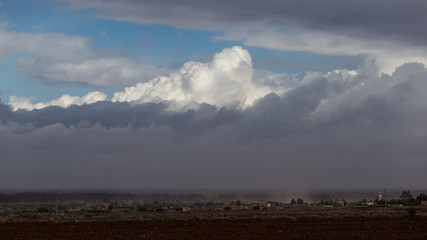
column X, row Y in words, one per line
column 335, row 130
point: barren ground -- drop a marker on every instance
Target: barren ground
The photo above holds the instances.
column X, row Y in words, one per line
column 286, row 224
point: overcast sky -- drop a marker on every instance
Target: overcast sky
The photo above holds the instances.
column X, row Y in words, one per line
column 213, row 94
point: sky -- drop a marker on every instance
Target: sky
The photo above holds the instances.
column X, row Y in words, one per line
column 213, row 94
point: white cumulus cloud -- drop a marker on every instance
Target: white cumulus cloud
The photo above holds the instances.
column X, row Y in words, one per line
column 226, row 80
column 64, row 101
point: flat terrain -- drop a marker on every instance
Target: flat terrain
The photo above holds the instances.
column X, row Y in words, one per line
column 290, row 224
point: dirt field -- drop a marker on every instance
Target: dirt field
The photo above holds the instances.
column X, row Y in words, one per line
column 247, row 225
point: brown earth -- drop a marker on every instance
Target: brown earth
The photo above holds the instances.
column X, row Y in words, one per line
column 223, row 226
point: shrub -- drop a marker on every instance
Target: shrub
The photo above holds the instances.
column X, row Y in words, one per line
column 42, row 210
column 411, row 212
column 141, row 208
column 95, row 211
column 159, row 209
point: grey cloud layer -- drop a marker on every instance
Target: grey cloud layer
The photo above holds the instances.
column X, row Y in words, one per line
column 336, row 130
column 390, row 32
column 388, row 19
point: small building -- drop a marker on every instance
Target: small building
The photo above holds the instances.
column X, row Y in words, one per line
column 423, row 203
column 339, row 203
column 186, row 209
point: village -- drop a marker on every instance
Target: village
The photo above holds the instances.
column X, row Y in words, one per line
column 153, row 215
column 104, row 203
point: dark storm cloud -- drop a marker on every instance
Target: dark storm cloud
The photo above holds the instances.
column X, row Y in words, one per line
column 336, row 130
column 122, row 115
column 391, row 19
